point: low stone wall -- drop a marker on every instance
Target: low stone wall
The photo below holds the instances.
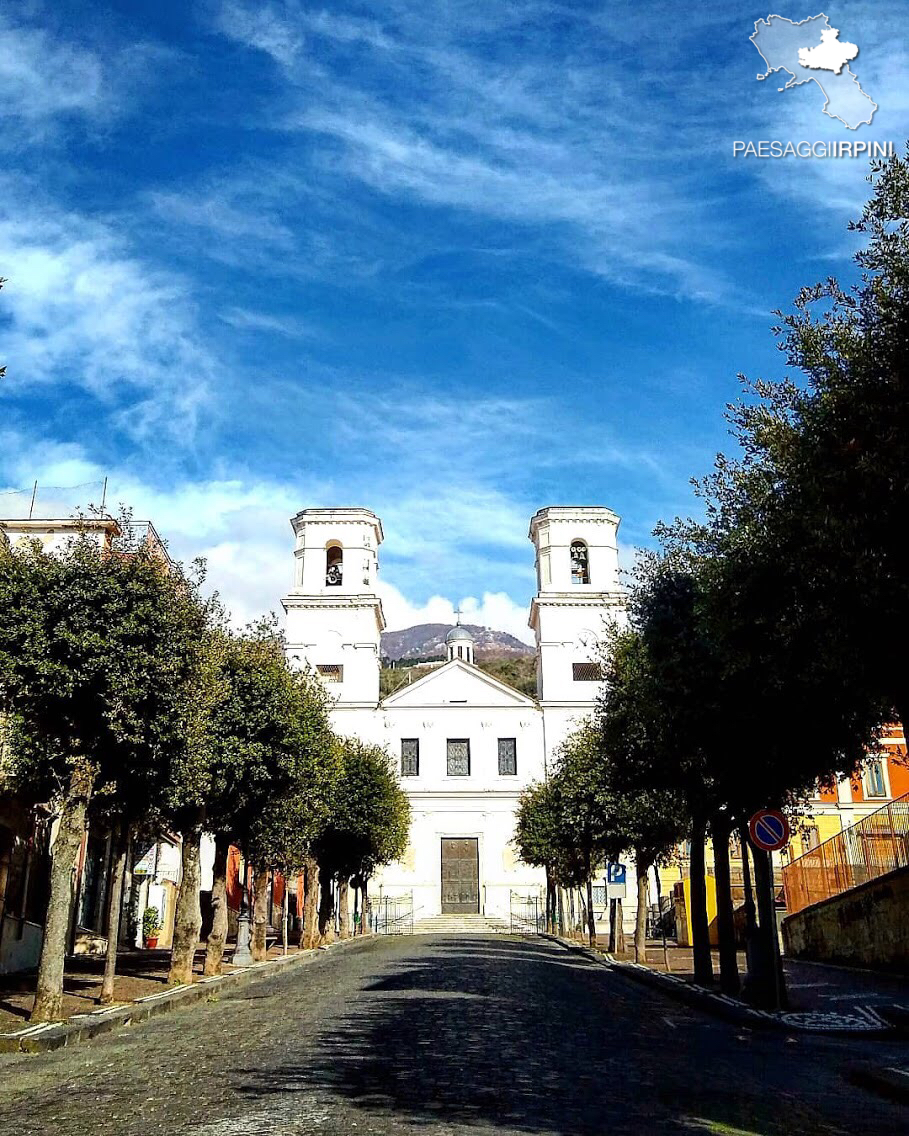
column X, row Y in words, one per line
column 867, row 926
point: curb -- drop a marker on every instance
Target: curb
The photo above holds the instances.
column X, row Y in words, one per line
column 892, row 1083
column 730, row 1009
column 82, row 1027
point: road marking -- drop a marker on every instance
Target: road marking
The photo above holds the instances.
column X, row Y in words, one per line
column 846, row 997
column 669, row 1022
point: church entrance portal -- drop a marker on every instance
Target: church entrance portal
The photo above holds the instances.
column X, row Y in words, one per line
column 460, row 876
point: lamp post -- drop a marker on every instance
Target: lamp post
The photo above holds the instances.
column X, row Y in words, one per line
column 242, row 955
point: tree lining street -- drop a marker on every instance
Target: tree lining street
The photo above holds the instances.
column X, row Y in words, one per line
column 451, row 1035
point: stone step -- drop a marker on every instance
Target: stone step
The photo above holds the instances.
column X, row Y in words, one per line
column 460, row 925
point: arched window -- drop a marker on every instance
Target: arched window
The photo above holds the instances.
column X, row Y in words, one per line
column 334, row 565
column 580, row 567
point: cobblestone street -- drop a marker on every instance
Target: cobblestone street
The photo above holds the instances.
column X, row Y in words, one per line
column 447, row 1035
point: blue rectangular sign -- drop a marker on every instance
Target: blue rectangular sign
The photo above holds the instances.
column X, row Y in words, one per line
column 615, row 873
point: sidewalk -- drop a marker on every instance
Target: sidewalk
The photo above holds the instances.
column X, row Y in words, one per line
column 139, row 974
column 142, row 972
column 812, row 987
column 822, row 998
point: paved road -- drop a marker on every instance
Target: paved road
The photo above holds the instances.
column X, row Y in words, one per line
column 815, row 986
column 442, row 1035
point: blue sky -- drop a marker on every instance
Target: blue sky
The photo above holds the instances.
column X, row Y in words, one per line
column 451, row 261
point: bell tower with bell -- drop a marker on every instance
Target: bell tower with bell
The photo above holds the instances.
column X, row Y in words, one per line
column 578, row 596
column 334, row 616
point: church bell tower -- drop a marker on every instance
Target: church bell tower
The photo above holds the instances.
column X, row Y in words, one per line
column 334, row 616
column 578, row 594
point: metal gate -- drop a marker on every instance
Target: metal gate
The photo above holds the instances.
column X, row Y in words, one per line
column 392, row 914
column 527, row 914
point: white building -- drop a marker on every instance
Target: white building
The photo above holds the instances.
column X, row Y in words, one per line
column 466, row 744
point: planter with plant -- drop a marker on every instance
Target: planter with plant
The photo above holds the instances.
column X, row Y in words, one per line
column 151, row 927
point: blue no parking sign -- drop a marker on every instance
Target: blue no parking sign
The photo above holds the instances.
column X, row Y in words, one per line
column 769, row 830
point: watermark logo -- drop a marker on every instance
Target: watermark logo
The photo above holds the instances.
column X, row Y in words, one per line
column 810, row 51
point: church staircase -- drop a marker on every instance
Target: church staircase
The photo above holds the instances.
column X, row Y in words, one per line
column 460, row 925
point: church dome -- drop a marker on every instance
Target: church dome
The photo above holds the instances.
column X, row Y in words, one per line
column 459, row 643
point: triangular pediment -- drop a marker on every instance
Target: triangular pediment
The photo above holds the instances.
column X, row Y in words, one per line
column 458, row 684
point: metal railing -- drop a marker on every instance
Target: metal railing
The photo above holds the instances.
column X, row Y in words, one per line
column 874, row 846
column 392, row 914
column 527, row 915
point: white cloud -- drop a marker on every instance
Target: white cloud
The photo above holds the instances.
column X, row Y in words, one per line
column 557, row 141
column 269, row 28
column 496, row 610
column 220, row 216
column 41, row 79
column 245, row 320
column 85, row 310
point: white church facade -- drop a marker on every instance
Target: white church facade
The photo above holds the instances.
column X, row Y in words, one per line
column 465, row 744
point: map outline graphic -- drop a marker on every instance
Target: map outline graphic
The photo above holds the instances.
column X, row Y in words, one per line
column 812, row 76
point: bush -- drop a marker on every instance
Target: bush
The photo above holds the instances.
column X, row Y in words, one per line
column 151, row 925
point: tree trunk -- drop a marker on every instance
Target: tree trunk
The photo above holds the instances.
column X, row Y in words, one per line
column 365, row 924
column 260, row 914
column 188, row 918
column 700, row 927
column 71, row 828
column 344, row 908
column 725, row 914
column 751, row 928
column 326, row 908
column 591, row 921
column 217, row 936
column 612, row 927
column 642, row 867
column 4, row 878
column 284, row 914
column 771, row 990
column 310, row 903
column 114, row 909
column 619, row 928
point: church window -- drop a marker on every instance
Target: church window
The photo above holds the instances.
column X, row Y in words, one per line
column 508, row 757
column 410, row 757
column 334, row 565
column 875, row 786
column 586, row 672
column 580, row 568
column 458, row 757
column 331, row 672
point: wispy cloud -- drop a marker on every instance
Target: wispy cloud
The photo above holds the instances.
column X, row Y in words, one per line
column 83, row 309
column 218, row 215
column 266, row 27
column 41, row 79
column 245, row 320
column 546, row 143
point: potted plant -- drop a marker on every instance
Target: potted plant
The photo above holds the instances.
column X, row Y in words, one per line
column 151, row 927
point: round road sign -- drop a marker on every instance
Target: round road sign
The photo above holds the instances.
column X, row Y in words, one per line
column 769, row 830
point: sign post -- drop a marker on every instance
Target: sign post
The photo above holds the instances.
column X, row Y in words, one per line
column 768, row 830
column 616, row 881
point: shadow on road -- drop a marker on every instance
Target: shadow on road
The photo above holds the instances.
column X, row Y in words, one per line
column 527, row 1038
